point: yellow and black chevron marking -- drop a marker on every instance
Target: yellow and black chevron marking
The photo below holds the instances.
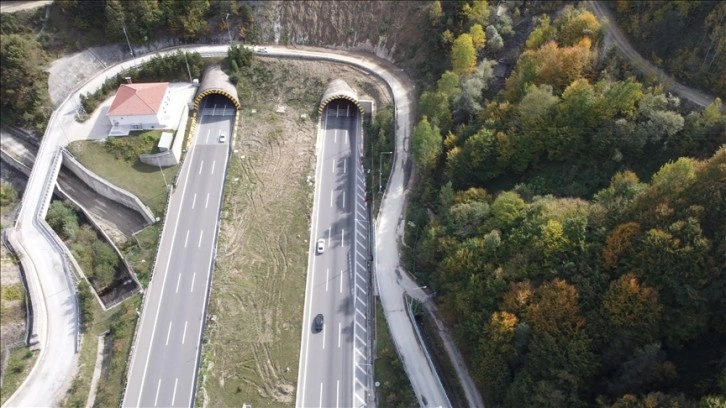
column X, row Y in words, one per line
column 331, row 98
column 206, row 92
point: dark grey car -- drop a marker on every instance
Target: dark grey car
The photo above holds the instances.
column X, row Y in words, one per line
column 318, row 323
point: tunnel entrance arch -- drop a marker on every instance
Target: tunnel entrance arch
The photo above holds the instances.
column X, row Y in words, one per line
column 339, row 89
column 216, row 82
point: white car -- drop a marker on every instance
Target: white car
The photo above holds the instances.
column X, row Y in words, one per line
column 320, row 247
column 222, row 137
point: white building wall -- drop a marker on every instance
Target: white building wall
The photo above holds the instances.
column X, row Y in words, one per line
column 136, row 121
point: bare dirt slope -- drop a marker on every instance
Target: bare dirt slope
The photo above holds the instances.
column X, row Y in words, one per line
column 390, row 29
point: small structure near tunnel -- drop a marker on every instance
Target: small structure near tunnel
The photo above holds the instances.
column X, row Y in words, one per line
column 215, row 81
column 339, row 89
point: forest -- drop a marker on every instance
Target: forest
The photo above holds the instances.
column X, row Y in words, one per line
column 571, row 219
column 686, row 38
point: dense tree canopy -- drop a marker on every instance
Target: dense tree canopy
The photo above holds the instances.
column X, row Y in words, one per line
column 593, row 273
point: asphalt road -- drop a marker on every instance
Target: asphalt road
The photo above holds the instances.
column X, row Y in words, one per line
column 166, row 354
column 333, row 367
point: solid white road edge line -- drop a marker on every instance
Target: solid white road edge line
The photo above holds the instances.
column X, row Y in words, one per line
column 311, row 271
column 163, row 282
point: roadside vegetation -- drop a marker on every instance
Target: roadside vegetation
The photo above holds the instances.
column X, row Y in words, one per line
column 98, row 260
column 118, row 326
column 378, row 146
column 395, row 388
column 569, row 219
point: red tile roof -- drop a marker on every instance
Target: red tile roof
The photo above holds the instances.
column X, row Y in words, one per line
column 138, row 99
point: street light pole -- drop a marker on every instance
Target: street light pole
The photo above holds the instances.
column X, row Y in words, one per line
column 380, row 171
column 158, row 163
column 226, row 22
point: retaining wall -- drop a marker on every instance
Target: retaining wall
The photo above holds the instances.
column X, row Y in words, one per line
column 14, row 163
column 106, row 189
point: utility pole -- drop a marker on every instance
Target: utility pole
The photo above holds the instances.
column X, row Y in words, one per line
column 188, row 71
column 127, row 40
column 226, row 22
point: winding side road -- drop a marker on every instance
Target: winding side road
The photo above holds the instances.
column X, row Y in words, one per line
column 615, row 34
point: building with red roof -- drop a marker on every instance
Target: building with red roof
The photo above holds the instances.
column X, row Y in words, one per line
column 140, row 107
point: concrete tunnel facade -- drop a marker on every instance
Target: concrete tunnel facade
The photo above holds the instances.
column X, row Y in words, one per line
column 339, row 89
column 215, row 81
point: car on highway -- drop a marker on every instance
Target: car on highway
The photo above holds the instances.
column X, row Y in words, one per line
column 320, row 247
column 318, row 323
column 222, row 137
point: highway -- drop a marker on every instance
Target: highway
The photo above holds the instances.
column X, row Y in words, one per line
column 164, row 365
column 333, row 367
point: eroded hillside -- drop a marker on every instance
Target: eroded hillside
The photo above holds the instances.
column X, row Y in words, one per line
column 390, row 29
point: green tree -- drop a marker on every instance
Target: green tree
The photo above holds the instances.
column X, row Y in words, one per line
column 494, row 39
column 105, row 263
column 426, row 144
column 435, row 105
column 478, row 36
column 448, row 84
column 507, row 207
column 576, row 23
column 463, row 55
column 8, row 194
column 23, row 83
column 477, row 12
column 542, row 34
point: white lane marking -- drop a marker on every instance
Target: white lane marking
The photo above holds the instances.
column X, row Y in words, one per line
column 361, row 289
column 343, row 199
column 173, row 396
column 213, row 163
column 305, row 342
column 328, row 237
column 335, row 163
column 362, row 301
column 360, row 313
column 321, row 395
column 194, row 201
column 340, row 331
column 331, row 197
column 208, row 132
column 342, row 237
column 206, row 204
column 361, row 326
column 193, row 277
column 163, row 282
column 345, row 162
column 186, row 239
column 178, row 280
column 359, row 352
column 361, row 234
column 201, row 234
column 324, row 336
column 362, row 386
column 184, row 336
column 345, row 136
column 158, row 387
column 327, row 272
column 337, row 394
column 201, row 166
column 168, row 332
